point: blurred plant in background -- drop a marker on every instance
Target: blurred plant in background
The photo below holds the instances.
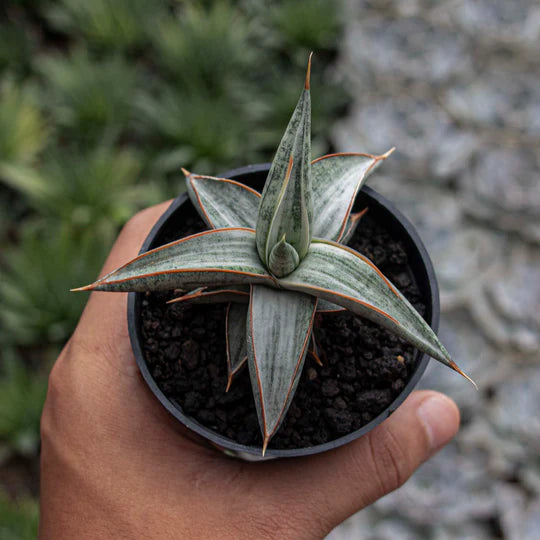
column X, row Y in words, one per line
column 101, row 103
column 91, row 99
column 22, row 393
column 18, row 520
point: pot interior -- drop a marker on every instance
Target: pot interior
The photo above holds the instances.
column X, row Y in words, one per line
column 380, row 210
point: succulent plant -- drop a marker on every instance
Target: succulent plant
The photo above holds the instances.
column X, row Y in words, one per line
column 277, row 258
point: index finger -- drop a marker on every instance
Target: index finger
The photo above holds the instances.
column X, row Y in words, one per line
column 104, row 322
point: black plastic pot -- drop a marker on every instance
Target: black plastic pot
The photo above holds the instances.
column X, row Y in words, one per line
column 380, row 209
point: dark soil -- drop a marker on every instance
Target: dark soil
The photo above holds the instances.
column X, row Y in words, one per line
column 365, row 367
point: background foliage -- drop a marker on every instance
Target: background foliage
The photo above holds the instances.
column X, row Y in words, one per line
column 101, row 103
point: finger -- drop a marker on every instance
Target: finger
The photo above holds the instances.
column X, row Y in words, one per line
column 102, row 333
column 327, row 488
column 105, row 314
column 132, row 236
column 100, row 347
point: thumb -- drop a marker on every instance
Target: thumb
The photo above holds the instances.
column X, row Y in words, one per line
column 325, row 489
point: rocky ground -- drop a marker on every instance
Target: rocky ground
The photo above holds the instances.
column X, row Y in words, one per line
column 454, row 85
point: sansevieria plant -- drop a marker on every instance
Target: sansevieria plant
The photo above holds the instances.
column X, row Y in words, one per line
column 277, row 258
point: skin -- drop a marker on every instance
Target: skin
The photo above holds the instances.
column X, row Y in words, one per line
column 115, row 464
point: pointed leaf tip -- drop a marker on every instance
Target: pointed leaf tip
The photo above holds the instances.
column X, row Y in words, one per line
column 308, row 73
column 276, row 357
column 83, row 289
column 387, row 154
column 265, row 444
column 456, row 368
column 186, row 172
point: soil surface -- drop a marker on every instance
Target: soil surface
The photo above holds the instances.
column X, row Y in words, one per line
column 365, row 367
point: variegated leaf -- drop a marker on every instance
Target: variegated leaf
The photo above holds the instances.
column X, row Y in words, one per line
column 238, row 294
column 352, row 224
column 222, row 202
column 336, row 180
column 278, row 333
column 235, row 327
column 218, row 257
column 323, row 306
column 343, row 276
column 314, row 351
column 286, row 206
column 217, row 295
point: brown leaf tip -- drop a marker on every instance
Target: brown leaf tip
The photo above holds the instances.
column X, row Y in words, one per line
column 265, row 444
column 308, row 72
column 185, row 171
column 358, row 215
column 390, row 152
column 83, row 289
column 455, row 367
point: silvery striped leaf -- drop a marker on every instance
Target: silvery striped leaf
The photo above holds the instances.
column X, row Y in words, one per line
column 286, row 206
column 222, row 202
column 218, row 257
column 278, row 333
column 218, row 295
column 314, row 350
column 323, row 306
column 235, row 330
column 238, row 294
column 343, row 276
column 352, row 224
column 336, row 179
column 225, row 203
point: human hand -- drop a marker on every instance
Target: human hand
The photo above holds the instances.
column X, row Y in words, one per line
column 115, row 464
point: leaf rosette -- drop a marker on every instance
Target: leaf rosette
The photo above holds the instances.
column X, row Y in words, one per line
column 276, row 259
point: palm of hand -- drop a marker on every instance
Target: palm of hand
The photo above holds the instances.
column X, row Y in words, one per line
column 116, row 464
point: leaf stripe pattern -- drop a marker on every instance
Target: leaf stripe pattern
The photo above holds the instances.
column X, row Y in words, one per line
column 336, row 179
column 342, row 276
column 222, row 202
column 286, row 204
column 217, row 257
column 277, row 346
column 235, row 334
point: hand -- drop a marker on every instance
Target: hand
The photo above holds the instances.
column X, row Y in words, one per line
column 115, row 464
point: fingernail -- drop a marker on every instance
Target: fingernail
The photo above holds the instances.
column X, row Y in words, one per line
column 440, row 418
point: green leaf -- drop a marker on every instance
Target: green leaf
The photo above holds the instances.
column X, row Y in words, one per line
column 278, row 333
column 286, row 206
column 218, row 257
column 336, row 180
column 222, row 202
column 343, row 276
column 235, row 326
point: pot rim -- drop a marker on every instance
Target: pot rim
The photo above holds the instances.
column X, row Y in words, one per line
column 254, row 452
